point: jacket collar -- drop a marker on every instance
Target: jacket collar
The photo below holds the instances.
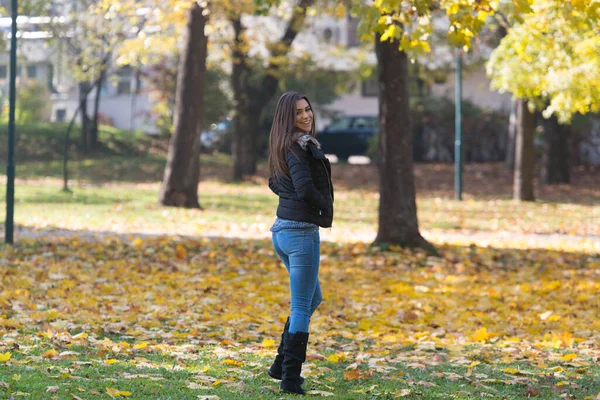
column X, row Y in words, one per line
column 309, row 142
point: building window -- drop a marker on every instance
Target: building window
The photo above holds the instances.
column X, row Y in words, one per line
column 61, row 115
column 125, row 80
column 31, row 71
column 353, row 39
column 3, row 71
column 370, row 87
column 124, row 87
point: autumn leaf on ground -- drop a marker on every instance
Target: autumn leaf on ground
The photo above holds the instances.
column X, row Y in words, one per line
column 567, row 339
column 320, row 393
column 232, row 362
column 336, row 358
column 4, row 357
column 352, row 375
column 117, row 393
column 268, row 343
column 50, row 353
column 569, row 357
column 481, row 335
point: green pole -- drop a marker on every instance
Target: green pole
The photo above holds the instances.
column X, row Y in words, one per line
column 10, row 166
column 458, row 130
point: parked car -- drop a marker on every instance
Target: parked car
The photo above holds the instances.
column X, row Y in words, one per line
column 348, row 135
column 213, row 137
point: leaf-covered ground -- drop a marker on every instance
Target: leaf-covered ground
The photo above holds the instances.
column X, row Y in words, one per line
column 174, row 318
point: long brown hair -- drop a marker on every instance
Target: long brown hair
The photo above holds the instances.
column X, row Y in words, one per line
column 284, row 132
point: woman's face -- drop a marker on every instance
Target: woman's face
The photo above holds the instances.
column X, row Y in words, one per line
column 304, row 116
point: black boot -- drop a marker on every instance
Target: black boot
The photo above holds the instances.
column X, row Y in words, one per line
column 276, row 370
column 294, row 354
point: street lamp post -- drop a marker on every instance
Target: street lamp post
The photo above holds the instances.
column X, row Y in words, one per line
column 10, row 166
column 458, row 129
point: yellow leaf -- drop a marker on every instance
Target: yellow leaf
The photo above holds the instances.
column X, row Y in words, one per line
column 336, row 358
column 117, row 393
column 110, row 361
column 50, row 353
column 481, row 335
column 512, row 371
column 138, row 242
column 474, row 363
column 4, row 357
column 140, row 346
column 268, row 343
column 205, row 369
column 562, row 383
column 180, row 252
column 567, row 339
column 217, row 382
column 233, row 362
column 569, row 357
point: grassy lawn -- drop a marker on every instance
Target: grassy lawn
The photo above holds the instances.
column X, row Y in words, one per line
column 195, row 311
column 247, row 210
column 181, row 319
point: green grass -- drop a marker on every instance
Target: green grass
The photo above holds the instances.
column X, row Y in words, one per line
column 249, row 208
column 107, row 195
column 170, row 374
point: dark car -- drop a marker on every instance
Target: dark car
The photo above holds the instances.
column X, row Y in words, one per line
column 348, row 136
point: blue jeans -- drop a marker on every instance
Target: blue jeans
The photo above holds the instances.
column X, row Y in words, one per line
column 299, row 249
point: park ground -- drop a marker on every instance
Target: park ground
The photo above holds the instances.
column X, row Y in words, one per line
column 107, row 294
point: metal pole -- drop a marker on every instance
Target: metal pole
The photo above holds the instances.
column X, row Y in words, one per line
column 458, row 130
column 10, row 166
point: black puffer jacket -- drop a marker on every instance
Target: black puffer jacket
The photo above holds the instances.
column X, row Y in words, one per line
column 308, row 195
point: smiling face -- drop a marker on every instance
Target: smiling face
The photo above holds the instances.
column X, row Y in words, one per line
column 304, row 116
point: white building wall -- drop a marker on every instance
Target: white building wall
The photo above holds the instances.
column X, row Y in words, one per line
column 476, row 88
column 124, row 112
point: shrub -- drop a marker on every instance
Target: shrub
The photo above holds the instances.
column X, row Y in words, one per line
column 33, row 102
column 484, row 132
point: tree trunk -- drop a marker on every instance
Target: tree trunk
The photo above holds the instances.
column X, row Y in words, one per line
column 243, row 144
column 243, row 147
column 524, row 154
column 555, row 158
column 509, row 161
column 86, row 124
column 94, row 142
column 397, row 202
column 182, row 173
column 251, row 100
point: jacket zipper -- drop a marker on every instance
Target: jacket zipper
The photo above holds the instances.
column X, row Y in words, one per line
column 328, row 185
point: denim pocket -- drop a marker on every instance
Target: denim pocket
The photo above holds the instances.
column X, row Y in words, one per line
column 316, row 238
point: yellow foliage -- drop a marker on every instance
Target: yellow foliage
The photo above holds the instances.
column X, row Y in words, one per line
column 117, row 393
column 4, row 357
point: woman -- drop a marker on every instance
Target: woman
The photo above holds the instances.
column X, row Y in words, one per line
column 300, row 175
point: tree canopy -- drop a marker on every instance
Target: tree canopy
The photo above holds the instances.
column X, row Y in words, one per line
column 552, row 58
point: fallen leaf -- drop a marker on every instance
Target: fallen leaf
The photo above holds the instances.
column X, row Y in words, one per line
column 4, row 357
column 352, row 375
column 320, row 393
column 52, row 389
column 232, row 362
column 117, row 393
column 569, row 357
